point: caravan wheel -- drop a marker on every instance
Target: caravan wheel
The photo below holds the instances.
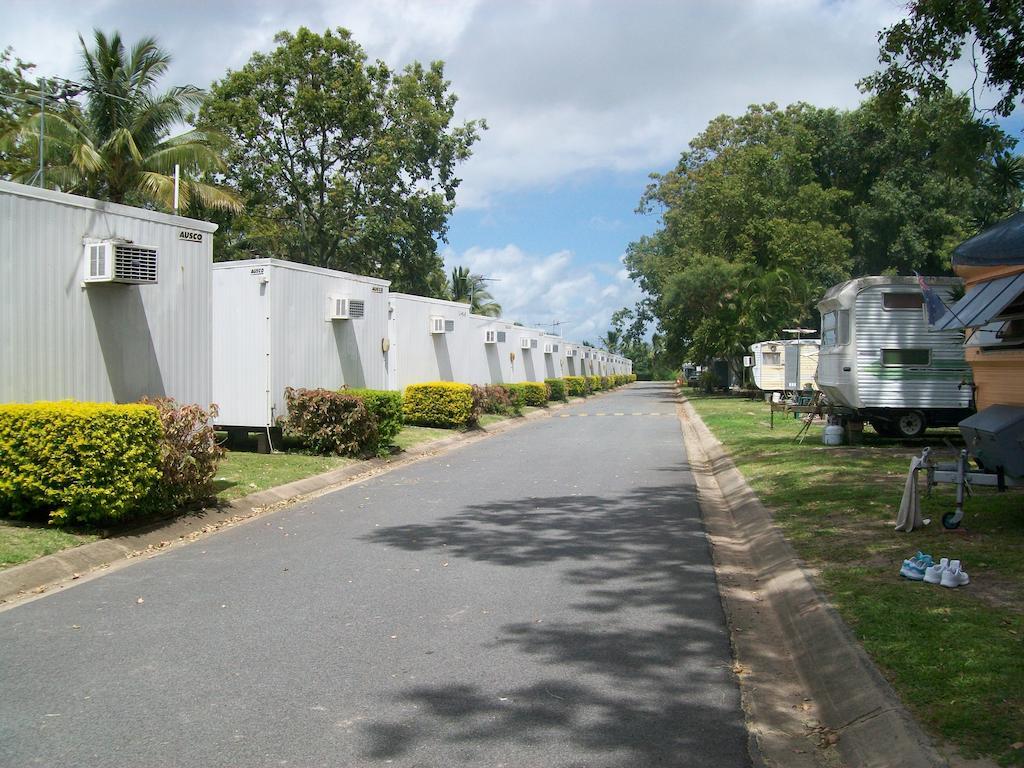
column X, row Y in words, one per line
column 911, row 424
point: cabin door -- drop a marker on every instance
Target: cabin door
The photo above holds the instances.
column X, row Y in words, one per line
column 793, row 372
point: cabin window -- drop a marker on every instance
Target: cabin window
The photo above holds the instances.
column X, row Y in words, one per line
column 772, row 358
column 898, row 357
column 844, row 326
column 903, row 300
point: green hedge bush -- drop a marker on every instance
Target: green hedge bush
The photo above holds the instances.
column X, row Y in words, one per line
column 576, row 386
column 595, row 383
column 440, row 404
column 386, row 408
column 533, row 393
column 327, row 422
column 556, row 389
column 76, row 462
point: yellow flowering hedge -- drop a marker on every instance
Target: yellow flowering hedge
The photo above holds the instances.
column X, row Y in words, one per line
column 577, row 386
column 78, row 462
column 532, row 393
column 439, row 404
column 595, row 383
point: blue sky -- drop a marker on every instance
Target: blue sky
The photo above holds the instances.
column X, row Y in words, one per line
column 584, row 99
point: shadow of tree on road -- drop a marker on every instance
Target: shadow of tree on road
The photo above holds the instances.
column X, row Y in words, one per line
column 643, row 679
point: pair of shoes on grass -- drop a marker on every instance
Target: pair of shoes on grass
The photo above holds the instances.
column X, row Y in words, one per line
column 948, row 573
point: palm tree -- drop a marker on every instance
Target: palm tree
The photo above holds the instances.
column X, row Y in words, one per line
column 472, row 289
column 118, row 146
column 611, row 340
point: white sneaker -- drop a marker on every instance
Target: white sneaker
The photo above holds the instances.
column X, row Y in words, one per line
column 954, row 577
column 933, row 573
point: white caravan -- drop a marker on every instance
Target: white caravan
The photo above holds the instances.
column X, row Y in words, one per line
column 784, row 366
column 879, row 357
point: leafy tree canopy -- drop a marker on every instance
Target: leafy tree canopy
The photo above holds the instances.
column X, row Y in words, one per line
column 767, row 210
column 342, row 163
column 918, row 52
column 116, row 145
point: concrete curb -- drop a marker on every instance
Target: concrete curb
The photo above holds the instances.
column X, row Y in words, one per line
column 25, row 582
column 853, row 699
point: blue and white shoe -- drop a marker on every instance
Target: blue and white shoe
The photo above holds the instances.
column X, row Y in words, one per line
column 914, row 569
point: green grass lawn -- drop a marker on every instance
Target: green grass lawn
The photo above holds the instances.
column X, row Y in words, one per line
column 21, row 542
column 956, row 656
column 242, row 473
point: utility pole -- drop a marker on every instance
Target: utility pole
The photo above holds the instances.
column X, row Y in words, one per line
column 42, row 119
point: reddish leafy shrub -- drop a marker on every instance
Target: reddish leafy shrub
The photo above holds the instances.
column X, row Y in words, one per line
column 494, row 398
column 329, row 422
column 189, row 452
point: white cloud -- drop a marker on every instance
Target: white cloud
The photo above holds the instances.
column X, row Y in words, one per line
column 549, row 288
column 567, row 86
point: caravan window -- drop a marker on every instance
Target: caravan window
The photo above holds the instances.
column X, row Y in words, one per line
column 916, row 357
column 828, row 329
column 903, row 300
column 772, row 358
column 835, row 328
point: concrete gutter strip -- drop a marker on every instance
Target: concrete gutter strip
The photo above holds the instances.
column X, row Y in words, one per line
column 67, row 567
column 853, row 699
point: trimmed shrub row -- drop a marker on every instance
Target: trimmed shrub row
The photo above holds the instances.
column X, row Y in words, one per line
column 99, row 463
column 440, row 404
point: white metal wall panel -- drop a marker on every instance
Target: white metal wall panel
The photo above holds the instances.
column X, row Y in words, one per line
column 103, row 342
column 241, row 343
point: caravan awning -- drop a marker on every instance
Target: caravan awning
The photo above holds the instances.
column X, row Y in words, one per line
column 983, row 303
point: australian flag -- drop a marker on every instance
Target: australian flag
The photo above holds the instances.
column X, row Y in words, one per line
column 932, row 302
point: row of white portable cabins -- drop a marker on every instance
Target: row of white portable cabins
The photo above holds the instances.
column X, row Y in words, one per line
column 280, row 324
column 107, row 302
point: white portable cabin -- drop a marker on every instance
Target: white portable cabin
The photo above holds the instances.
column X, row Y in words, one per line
column 103, row 302
column 879, row 357
column 553, row 353
column 279, row 324
column 785, row 365
column 432, row 340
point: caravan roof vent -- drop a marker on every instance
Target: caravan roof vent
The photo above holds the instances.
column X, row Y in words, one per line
column 117, row 261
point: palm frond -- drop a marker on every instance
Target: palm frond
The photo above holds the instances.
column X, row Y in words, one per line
column 193, row 157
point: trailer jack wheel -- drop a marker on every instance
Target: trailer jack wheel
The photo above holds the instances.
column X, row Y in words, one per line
column 951, row 520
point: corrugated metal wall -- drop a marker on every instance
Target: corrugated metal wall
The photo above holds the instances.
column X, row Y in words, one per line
column 103, row 342
column 874, row 328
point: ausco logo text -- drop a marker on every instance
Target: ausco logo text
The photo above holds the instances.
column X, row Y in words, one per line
column 192, row 237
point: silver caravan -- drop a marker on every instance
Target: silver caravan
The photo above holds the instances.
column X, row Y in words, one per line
column 879, row 357
column 784, row 365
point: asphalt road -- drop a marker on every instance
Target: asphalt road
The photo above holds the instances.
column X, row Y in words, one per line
column 544, row 597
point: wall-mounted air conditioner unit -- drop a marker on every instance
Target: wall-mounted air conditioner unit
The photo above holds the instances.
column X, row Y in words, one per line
column 494, row 337
column 117, row 261
column 344, row 308
column 570, row 352
column 524, row 342
column 437, row 324
column 548, row 348
column 748, row 361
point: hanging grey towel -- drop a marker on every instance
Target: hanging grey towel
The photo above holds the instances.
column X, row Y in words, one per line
column 909, row 516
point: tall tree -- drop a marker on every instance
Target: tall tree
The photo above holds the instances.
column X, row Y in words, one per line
column 472, row 289
column 918, row 51
column 117, row 145
column 766, row 211
column 343, row 163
